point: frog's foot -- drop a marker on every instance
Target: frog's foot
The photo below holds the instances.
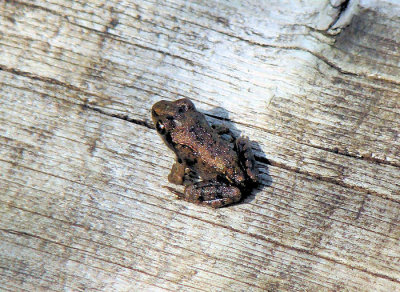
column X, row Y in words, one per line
column 224, row 132
column 177, row 173
column 212, row 193
column 246, row 156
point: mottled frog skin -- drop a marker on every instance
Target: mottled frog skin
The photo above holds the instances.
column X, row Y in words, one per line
column 226, row 168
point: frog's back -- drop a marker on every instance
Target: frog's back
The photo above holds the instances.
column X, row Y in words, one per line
column 210, row 155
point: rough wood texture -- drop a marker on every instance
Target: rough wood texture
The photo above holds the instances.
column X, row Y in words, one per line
column 315, row 85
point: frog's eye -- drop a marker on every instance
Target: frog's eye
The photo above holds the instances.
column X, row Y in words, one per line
column 160, row 127
column 181, row 109
column 185, row 105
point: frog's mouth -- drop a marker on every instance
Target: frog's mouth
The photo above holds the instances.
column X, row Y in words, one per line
column 154, row 113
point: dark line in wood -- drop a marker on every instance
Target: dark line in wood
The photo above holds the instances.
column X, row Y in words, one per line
column 144, row 123
column 325, row 179
column 334, row 150
column 75, row 88
column 359, row 157
column 188, row 61
column 37, row 77
column 120, row 116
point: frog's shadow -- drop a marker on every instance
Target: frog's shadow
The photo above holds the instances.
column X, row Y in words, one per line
column 219, row 116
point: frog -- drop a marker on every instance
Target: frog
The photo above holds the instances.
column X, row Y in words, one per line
column 216, row 168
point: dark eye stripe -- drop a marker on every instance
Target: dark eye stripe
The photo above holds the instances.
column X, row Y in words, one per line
column 168, row 138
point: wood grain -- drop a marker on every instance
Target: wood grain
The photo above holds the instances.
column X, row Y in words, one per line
column 83, row 173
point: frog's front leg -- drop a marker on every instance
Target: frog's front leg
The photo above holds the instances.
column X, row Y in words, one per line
column 177, row 173
column 212, row 193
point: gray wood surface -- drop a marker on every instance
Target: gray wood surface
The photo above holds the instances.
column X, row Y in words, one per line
column 314, row 84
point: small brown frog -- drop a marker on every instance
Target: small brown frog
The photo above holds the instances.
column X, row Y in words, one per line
column 225, row 167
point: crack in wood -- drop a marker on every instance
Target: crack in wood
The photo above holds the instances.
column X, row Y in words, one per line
column 369, row 158
column 39, row 78
column 334, row 150
column 324, row 178
column 342, row 7
column 120, row 116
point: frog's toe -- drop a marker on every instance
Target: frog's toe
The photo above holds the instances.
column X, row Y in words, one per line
column 247, row 157
column 218, row 203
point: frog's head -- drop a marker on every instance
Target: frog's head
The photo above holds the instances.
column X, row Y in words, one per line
column 167, row 115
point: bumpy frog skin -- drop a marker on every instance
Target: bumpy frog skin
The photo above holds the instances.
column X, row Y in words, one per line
column 226, row 168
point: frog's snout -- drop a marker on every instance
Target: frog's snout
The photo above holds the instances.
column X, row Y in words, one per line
column 155, row 109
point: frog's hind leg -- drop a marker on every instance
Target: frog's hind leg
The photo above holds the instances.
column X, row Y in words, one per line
column 246, row 156
column 212, row 193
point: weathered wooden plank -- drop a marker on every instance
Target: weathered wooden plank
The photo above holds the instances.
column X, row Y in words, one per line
column 83, row 187
column 112, row 193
